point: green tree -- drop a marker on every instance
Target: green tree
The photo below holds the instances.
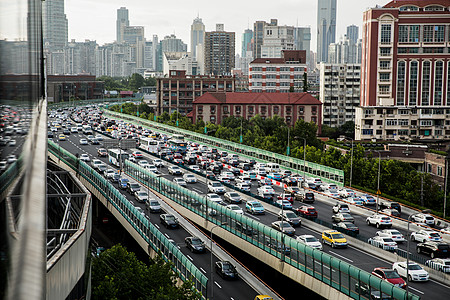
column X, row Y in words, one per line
column 118, row 274
column 305, row 82
column 136, row 82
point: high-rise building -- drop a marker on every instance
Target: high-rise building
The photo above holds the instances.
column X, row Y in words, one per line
column 258, row 36
column 326, row 27
column 219, row 51
column 121, row 22
column 344, row 52
column 246, row 42
column 302, row 41
column 133, row 34
column 171, row 43
column 353, row 33
column 55, row 25
column 405, row 72
column 197, row 35
column 277, row 38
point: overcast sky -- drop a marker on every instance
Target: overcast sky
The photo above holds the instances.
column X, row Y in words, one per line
column 96, row 20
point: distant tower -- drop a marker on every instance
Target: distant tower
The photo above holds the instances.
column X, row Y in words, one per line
column 197, row 35
column 219, row 51
column 353, row 33
column 55, row 24
column 246, row 42
column 326, row 27
column 121, row 23
column 258, row 37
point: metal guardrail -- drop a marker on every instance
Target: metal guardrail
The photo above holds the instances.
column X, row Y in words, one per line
column 185, row 269
column 327, row 174
column 334, row 272
column 10, row 174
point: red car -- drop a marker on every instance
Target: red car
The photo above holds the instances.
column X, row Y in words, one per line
column 390, row 276
column 137, row 154
column 307, row 211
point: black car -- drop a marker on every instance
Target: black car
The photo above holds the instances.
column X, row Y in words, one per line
column 391, row 205
column 195, row 244
column 169, row 221
column 434, row 249
column 290, row 181
column 226, row 270
column 346, row 227
column 210, row 175
column 235, row 171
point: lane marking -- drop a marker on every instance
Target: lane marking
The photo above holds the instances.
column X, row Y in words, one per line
column 201, row 269
column 217, row 284
column 251, row 216
column 416, row 290
column 156, row 225
column 167, row 235
column 190, row 258
column 343, row 257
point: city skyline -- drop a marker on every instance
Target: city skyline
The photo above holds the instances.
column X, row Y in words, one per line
column 83, row 22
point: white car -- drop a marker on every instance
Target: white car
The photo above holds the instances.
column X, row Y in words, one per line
column 174, row 170
column 84, row 157
column 425, row 236
column 152, row 168
column 158, row 163
column 355, row 200
column 179, row 181
column 415, row 272
column 109, row 173
column 189, row 178
column 235, row 208
column 423, row 219
column 195, row 168
column 213, row 197
column 243, row 186
column 445, row 230
column 310, row 240
column 141, row 196
column 3, row 165
column 440, row 264
column 261, row 172
column 143, row 163
column 228, row 175
column 266, row 189
column 216, row 187
column 74, row 130
column 84, row 142
column 284, row 203
column 345, row 193
column 384, row 243
column 379, row 221
column 95, row 163
column 12, row 158
column 394, row 234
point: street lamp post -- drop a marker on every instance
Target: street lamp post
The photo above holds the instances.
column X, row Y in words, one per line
column 445, row 184
column 288, row 151
column 407, row 256
column 212, row 265
column 351, row 165
column 378, row 181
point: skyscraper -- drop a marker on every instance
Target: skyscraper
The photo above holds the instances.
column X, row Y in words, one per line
column 326, row 27
column 121, row 23
column 246, row 42
column 302, row 41
column 55, row 24
column 353, row 33
column 258, row 36
column 277, row 38
column 219, row 51
column 197, row 34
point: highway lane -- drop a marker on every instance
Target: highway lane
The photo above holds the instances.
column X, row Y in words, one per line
column 224, row 289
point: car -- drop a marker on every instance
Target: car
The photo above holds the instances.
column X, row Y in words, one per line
column 74, row 130
column 345, row 193
column 394, row 234
column 108, row 173
column 284, row 227
column 84, row 142
column 307, row 211
column 287, row 197
column 61, row 137
column 254, row 207
column 266, row 189
column 235, row 208
column 194, row 168
column 101, row 152
column 137, row 154
column 195, row 244
column 179, row 181
column 213, row 197
column 133, row 187
column 226, row 270
column 175, row 170
column 3, row 165
column 264, row 181
column 243, row 186
column 290, row 181
column 224, row 179
column 368, row 199
column 425, row 235
column 385, row 243
column 49, row 135
column 85, row 157
column 216, row 187
column 391, row 212
column 228, row 175
column 278, row 246
column 423, row 219
column 152, row 168
column 341, row 207
column 274, row 176
column 141, row 196
column 158, row 162
column 284, row 203
column 244, row 179
column 310, row 241
column 440, row 264
column 290, row 217
column 261, row 171
column 123, row 183
column 342, row 217
column 379, row 221
column 292, row 190
column 334, row 238
column 95, row 163
column 189, row 178
column 347, row 227
column 153, row 206
column 95, row 141
column 355, row 200
column 143, row 163
column 415, row 272
column 434, row 249
column 306, row 197
column 391, row 205
column 389, row 275
column 232, row 197
column 169, row 221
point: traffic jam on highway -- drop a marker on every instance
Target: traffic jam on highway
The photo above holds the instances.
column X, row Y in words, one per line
column 247, row 186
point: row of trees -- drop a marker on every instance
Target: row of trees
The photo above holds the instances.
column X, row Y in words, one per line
column 133, row 83
column 399, row 180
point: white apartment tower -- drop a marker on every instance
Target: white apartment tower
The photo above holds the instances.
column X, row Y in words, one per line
column 55, row 25
column 121, row 22
column 197, row 35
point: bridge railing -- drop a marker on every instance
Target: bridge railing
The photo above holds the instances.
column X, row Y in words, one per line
column 327, row 174
column 10, row 174
column 342, row 276
column 185, row 269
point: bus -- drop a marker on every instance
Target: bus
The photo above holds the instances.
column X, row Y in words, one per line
column 150, row 145
column 177, row 137
column 114, row 154
column 178, row 146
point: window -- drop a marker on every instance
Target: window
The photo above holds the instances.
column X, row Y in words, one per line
column 385, row 51
column 391, row 122
column 385, row 33
column 403, row 122
column 403, row 132
column 408, row 33
column 385, row 76
column 271, row 69
column 250, row 109
column 401, row 83
column 314, row 110
column 383, row 89
column 285, row 76
column 367, row 131
column 426, row 83
column 379, row 122
column 403, row 112
column 263, row 110
column 212, row 109
column 413, row 73
column 301, row 110
column 407, row 50
column 288, row 110
column 438, row 83
column 276, row 110
column 257, row 69
column 314, row 120
column 433, row 33
column 200, row 109
column 271, row 83
column 237, row 109
column 257, row 76
column 434, row 8
column 439, row 171
column 426, row 123
column 448, row 84
column 288, row 120
column 385, row 64
column 285, row 69
column 225, row 109
column 409, row 8
column 271, row 76
column 212, row 119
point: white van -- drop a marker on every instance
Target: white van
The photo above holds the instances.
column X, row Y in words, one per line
column 331, row 187
column 273, row 168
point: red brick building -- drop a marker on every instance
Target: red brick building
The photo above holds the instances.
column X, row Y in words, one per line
column 214, row 107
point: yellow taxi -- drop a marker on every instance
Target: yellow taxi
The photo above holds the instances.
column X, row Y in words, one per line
column 334, row 238
column 62, row 137
column 263, row 297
